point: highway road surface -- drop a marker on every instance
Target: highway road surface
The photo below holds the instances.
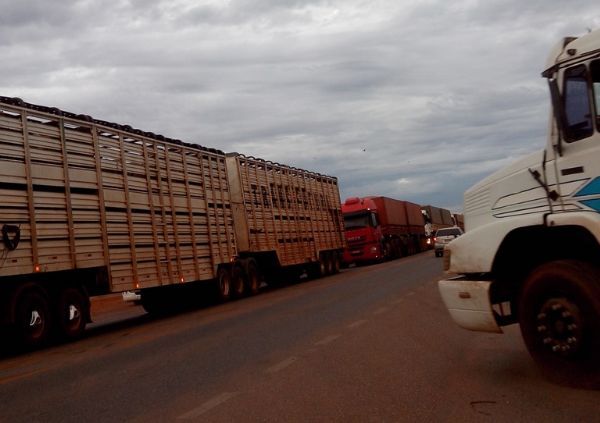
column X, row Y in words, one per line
column 370, row 344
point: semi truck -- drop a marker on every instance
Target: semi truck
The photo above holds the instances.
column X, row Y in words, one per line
column 381, row 228
column 435, row 218
column 531, row 251
column 459, row 220
column 90, row 207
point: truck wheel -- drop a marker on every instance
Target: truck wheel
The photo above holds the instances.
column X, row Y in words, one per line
column 238, row 281
column 330, row 261
column 559, row 315
column 223, row 284
column 322, row 266
column 337, row 263
column 72, row 312
column 252, row 278
column 33, row 322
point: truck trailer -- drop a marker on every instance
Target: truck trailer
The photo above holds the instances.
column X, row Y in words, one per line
column 381, row 228
column 531, row 251
column 92, row 207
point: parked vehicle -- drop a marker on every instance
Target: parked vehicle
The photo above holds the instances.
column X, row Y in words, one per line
column 531, row 252
column 435, row 218
column 443, row 237
column 92, row 207
column 381, row 228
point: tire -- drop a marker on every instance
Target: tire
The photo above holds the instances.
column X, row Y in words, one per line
column 71, row 313
column 329, row 260
column 238, row 281
column 252, row 278
column 322, row 267
column 223, row 284
column 337, row 263
column 559, row 316
column 32, row 319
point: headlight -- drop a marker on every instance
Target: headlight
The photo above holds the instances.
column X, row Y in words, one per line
column 374, row 249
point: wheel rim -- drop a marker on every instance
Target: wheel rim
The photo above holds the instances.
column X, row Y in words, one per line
column 560, row 327
column 37, row 322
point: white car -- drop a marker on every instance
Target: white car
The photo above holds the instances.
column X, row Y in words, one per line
column 443, row 237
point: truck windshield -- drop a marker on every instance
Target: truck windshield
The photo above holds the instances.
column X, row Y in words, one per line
column 361, row 220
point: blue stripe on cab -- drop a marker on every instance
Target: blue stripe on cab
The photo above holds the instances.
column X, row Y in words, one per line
column 592, row 188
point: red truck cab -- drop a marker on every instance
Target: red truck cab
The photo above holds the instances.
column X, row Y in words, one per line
column 363, row 232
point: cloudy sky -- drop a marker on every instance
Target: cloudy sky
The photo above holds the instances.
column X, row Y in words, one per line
column 415, row 100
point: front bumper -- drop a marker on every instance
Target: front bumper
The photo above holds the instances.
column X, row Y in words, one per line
column 468, row 302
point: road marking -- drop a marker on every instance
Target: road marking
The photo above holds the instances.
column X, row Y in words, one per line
column 398, row 301
column 356, row 324
column 282, row 365
column 411, row 293
column 208, row 405
column 380, row 310
column 327, row 340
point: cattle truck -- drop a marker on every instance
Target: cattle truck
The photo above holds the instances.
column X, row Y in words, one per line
column 531, row 251
column 381, row 228
column 90, row 207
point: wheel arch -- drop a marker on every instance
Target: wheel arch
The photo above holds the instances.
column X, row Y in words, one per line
column 524, row 249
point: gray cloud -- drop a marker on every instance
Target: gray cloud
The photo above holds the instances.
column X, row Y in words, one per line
column 412, row 99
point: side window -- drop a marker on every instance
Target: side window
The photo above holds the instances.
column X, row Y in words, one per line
column 595, row 70
column 577, row 105
column 374, row 221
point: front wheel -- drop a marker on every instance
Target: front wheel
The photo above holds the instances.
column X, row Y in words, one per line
column 559, row 316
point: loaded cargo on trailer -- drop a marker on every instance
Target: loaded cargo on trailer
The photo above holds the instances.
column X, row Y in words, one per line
column 381, row 228
column 91, row 207
column 435, row 218
column 531, row 251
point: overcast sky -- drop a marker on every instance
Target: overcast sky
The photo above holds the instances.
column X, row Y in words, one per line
column 415, row 100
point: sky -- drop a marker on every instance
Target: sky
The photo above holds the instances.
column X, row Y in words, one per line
column 415, row 100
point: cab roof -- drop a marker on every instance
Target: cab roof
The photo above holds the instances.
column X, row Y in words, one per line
column 572, row 49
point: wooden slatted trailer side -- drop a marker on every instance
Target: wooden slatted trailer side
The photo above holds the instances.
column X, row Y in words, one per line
column 284, row 217
column 91, row 207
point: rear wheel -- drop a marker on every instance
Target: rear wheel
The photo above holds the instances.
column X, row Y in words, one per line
column 252, row 278
column 72, row 312
column 337, row 262
column 559, row 315
column 330, row 260
column 32, row 318
column 223, row 284
column 238, row 283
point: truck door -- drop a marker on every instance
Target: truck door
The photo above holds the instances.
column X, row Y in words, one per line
column 578, row 165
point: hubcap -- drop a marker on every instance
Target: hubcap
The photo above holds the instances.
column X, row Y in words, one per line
column 73, row 313
column 559, row 326
column 36, row 319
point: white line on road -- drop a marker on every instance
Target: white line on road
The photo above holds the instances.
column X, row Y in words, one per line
column 356, row 324
column 282, row 365
column 208, row 405
column 327, row 340
column 380, row 310
column 411, row 293
column 398, row 301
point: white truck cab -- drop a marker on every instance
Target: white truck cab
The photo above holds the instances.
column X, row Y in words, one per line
column 531, row 251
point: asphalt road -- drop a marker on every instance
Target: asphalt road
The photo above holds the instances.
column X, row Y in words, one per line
column 370, row 344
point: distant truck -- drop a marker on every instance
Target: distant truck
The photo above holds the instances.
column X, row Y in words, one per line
column 381, row 228
column 459, row 220
column 531, row 251
column 435, row 218
column 91, row 207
